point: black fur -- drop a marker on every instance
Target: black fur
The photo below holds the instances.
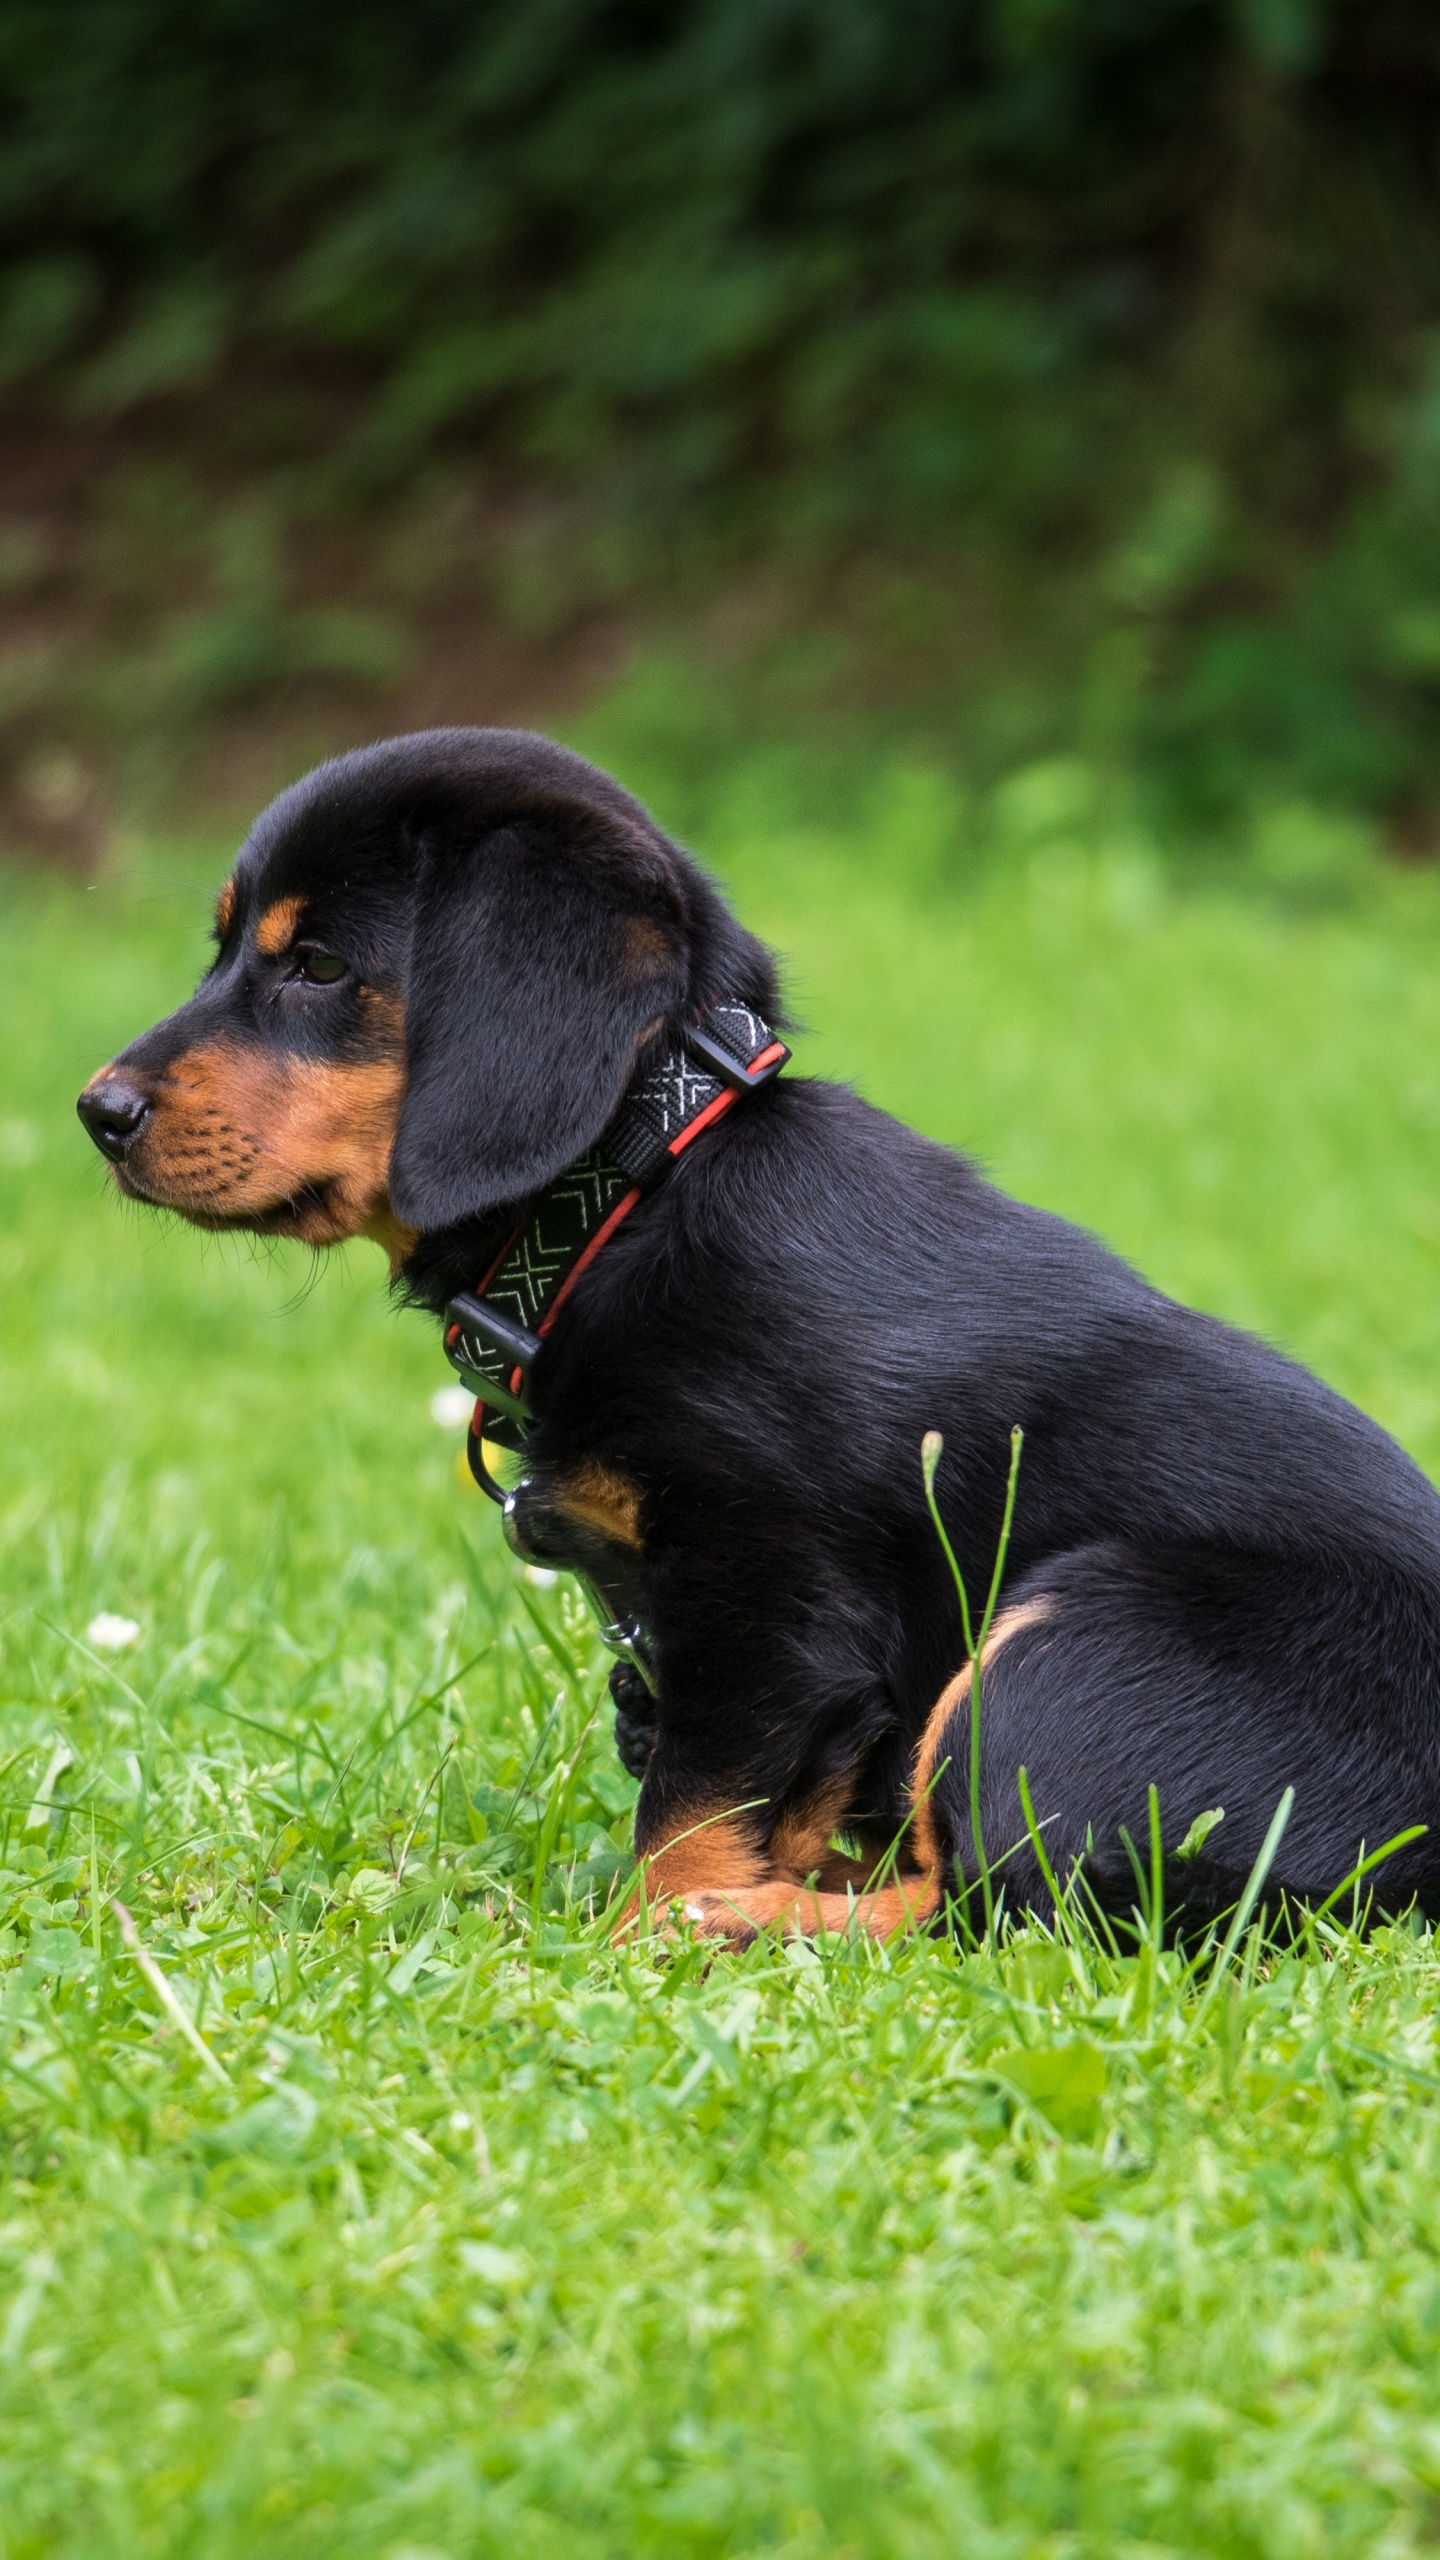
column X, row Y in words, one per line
column 1241, row 1572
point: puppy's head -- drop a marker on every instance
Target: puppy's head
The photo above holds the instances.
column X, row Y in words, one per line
column 438, row 961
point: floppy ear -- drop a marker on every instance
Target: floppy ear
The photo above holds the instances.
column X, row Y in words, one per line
column 544, row 954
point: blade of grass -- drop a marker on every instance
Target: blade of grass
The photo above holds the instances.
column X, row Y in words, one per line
column 174, row 2008
column 1377, row 1858
column 931, row 1450
column 1246, row 1904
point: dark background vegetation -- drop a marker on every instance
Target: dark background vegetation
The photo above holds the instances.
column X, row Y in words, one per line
column 1044, row 376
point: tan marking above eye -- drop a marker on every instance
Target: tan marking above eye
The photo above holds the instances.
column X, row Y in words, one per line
column 225, row 910
column 278, row 927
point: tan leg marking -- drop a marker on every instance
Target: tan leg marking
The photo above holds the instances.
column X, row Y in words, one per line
column 709, row 1853
column 278, row 927
column 802, row 1910
column 1009, row 1622
column 800, row 1842
column 839, row 1872
column 728, row 1888
column 735, row 1889
column 907, row 1900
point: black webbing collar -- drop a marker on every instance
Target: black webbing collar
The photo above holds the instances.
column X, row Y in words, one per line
column 494, row 1333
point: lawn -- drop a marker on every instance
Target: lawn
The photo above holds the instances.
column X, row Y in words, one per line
column 360, row 2197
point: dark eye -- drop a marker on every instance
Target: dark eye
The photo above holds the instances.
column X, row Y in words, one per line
column 319, row 968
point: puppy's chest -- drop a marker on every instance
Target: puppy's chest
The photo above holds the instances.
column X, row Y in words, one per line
column 594, row 1499
column 581, row 1513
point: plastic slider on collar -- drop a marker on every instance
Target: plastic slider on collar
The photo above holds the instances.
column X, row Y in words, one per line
column 492, row 1353
column 722, row 1062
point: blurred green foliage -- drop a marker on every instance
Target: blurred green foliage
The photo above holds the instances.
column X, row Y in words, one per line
column 1083, row 342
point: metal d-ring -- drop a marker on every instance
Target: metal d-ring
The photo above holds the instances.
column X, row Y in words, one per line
column 475, row 1453
column 624, row 1637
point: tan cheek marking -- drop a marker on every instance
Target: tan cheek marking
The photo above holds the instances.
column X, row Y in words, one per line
column 278, row 927
column 336, row 1125
column 236, row 1131
column 225, row 909
column 397, row 1242
column 601, row 1498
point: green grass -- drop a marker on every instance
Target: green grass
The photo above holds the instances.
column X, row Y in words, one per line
column 448, row 2229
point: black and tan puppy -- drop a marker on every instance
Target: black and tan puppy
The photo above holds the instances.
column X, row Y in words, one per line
column 441, row 962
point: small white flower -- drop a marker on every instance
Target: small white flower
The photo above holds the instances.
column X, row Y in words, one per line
column 110, row 1634
column 452, row 1407
column 541, row 1576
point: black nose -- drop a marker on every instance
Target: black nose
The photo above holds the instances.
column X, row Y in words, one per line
column 113, row 1113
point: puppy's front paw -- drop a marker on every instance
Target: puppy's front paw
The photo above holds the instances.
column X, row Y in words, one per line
column 716, row 1915
column 805, row 1911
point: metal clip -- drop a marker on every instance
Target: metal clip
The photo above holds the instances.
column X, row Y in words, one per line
column 724, row 1064
column 623, row 1636
column 473, row 1327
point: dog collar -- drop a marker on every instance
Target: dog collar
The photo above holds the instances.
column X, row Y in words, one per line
column 495, row 1332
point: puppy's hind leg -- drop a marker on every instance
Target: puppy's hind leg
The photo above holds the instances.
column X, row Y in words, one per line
column 940, row 1787
column 1221, row 1679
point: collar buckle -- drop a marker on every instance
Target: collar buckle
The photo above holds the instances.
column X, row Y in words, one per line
column 492, row 1353
column 742, row 1074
